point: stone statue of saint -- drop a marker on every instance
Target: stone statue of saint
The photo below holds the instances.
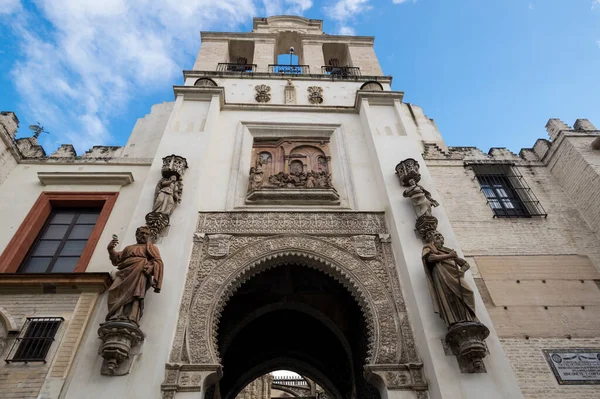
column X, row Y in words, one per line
column 453, row 300
column 421, row 198
column 139, row 268
column 257, row 176
column 167, row 194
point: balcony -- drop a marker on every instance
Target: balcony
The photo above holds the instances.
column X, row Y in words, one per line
column 289, row 69
column 341, row 71
column 232, row 67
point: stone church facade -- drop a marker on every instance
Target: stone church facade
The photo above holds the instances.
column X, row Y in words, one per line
column 303, row 217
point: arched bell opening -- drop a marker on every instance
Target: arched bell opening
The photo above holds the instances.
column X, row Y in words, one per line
column 296, row 318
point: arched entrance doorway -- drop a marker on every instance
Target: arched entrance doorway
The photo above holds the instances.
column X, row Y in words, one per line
column 324, row 301
column 298, row 318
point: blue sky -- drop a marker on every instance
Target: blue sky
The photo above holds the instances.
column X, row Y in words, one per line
column 490, row 72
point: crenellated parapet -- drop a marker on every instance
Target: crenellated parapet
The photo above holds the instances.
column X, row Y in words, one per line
column 536, row 155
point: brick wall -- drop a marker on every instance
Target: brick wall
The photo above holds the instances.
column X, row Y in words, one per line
column 8, row 128
column 537, row 276
column 44, row 380
column 534, row 374
column 576, row 166
column 563, row 232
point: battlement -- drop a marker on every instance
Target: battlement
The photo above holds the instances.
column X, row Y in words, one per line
column 555, row 128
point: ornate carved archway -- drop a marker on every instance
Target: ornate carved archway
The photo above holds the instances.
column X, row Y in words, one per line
column 352, row 248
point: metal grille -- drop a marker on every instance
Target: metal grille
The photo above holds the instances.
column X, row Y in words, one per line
column 341, row 71
column 289, row 69
column 233, row 67
column 506, row 191
column 35, row 340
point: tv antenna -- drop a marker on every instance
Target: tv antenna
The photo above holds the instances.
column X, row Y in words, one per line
column 37, row 130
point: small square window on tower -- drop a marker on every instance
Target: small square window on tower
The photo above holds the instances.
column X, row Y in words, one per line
column 34, row 340
column 506, row 191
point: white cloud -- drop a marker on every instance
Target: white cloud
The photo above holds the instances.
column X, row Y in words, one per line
column 346, row 30
column 279, row 7
column 595, row 4
column 83, row 62
column 9, row 6
column 531, row 6
column 401, row 1
column 344, row 11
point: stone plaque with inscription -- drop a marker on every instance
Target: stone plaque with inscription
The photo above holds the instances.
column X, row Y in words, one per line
column 574, row 366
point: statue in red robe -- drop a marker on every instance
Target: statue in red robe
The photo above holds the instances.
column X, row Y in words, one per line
column 139, row 268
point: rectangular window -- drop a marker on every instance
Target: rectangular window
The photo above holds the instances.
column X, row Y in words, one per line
column 35, row 340
column 506, row 191
column 61, row 242
column 59, row 234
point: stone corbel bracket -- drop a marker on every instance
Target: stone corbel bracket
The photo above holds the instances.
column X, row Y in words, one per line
column 398, row 377
column 189, row 377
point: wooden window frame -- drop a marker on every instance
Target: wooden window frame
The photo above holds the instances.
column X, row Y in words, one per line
column 25, row 236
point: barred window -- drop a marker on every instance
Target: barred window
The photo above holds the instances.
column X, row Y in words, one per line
column 34, row 340
column 506, row 191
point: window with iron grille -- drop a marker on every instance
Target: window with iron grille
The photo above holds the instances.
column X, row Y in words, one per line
column 61, row 241
column 35, row 340
column 506, row 191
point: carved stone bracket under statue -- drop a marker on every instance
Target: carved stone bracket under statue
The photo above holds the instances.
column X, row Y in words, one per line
column 452, row 297
column 466, row 341
column 120, row 340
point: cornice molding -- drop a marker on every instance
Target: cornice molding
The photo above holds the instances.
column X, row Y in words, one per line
column 96, row 282
column 267, row 75
column 85, row 178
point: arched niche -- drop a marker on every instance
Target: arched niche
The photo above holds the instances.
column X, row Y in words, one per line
column 312, row 158
column 205, row 82
column 372, row 86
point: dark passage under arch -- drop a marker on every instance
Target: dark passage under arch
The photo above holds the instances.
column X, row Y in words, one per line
column 296, row 318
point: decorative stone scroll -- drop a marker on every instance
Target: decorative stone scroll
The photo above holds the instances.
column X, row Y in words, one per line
column 315, row 94
column 263, row 93
column 324, row 241
column 288, row 171
column 452, row 297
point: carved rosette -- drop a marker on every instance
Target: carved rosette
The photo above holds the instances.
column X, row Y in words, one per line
column 174, row 165
column 263, row 93
column 408, row 170
column 118, row 339
column 315, row 95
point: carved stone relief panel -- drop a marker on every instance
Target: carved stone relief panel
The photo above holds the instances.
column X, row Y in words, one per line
column 326, row 241
column 289, row 169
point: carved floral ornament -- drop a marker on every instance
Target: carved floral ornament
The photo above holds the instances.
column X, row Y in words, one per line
column 373, row 283
column 315, row 94
column 263, row 93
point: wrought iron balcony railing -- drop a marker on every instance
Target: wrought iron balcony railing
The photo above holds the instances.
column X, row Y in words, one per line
column 289, row 69
column 340, row 70
column 231, row 67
